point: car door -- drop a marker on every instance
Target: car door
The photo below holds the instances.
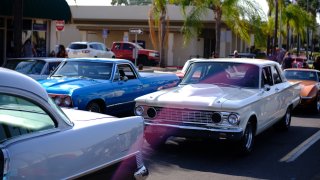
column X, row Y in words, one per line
column 268, row 99
column 127, row 83
column 127, row 50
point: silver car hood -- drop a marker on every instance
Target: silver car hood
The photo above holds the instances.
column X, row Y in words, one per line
column 200, row 95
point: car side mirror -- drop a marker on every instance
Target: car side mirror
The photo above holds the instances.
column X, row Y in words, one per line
column 267, row 87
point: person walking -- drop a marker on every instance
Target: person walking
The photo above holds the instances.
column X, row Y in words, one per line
column 28, row 50
column 287, row 61
column 62, row 53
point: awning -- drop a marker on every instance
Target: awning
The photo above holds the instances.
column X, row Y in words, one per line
column 42, row 9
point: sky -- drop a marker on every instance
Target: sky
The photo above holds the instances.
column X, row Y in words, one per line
column 263, row 3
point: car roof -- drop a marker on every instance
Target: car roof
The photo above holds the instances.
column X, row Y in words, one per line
column 47, row 59
column 259, row 62
column 13, row 79
column 88, row 59
column 84, row 42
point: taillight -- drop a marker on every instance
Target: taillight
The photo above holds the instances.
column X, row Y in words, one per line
column 62, row 100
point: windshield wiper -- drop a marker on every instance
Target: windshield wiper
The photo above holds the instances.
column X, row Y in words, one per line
column 57, row 75
column 224, row 84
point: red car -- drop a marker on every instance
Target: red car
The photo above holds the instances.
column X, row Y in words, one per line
column 125, row 50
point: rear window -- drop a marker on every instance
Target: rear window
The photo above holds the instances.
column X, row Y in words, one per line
column 78, row 46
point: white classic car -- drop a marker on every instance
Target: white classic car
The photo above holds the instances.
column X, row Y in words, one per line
column 38, row 140
column 233, row 99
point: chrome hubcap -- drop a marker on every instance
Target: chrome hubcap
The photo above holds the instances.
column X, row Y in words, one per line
column 248, row 137
column 288, row 117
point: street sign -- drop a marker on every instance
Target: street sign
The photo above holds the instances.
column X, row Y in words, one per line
column 59, row 25
column 135, row 31
column 105, row 33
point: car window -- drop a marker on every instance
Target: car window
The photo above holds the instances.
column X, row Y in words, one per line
column 51, row 67
column 78, row 46
column 20, row 116
column 266, row 76
column 117, row 46
column 300, row 75
column 127, row 46
column 125, row 70
column 276, row 75
column 30, row 66
column 84, row 69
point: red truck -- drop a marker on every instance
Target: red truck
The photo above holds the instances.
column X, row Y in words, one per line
column 124, row 50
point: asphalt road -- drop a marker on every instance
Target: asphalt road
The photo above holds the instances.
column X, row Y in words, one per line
column 277, row 155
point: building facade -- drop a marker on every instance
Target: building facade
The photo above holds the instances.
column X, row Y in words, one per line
column 91, row 22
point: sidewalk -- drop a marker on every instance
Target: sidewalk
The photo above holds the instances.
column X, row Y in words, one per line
column 159, row 69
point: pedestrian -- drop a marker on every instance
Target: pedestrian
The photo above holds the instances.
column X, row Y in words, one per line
column 316, row 63
column 287, row 61
column 235, row 54
column 62, row 53
column 213, row 55
column 28, row 49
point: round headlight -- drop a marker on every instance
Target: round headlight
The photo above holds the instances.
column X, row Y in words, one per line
column 216, row 117
column 57, row 100
column 138, row 111
column 233, row 119
column 67, row 101
column 151, row 112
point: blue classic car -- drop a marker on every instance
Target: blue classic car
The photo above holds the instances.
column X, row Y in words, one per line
column 102, row 85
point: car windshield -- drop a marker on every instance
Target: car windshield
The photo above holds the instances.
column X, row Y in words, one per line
column 223, row 73
column 300, row 75
column 26, row 66
column 78, row 46
column 83, row 69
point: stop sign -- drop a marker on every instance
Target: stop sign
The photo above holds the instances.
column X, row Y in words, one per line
column 59, row 25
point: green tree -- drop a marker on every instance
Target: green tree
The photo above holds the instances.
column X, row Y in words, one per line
column 158, row 22
column 236, row 14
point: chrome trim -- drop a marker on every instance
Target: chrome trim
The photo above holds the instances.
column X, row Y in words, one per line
column 6, row 163
column 102, row 166
column 212, row 129
column 306, row 97
column 141, row 174
column 118, row 104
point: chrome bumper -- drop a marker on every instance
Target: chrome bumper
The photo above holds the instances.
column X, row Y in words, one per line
column 141, row 174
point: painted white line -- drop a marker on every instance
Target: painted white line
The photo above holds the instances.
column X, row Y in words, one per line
column 296, row 152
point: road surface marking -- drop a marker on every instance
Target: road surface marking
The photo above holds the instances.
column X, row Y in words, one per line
column 295, row 153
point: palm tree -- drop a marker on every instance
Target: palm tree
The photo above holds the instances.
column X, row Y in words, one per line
column 158, row 20
column 235, row 14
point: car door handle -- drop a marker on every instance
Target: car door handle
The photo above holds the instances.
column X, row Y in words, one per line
column 140, row 86
column 277, row 89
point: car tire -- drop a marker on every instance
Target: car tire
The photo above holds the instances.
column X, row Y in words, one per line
column 155, row 140
column 247, row 141
column 142, row 60
column 316, row 105
column 284, row 123
column 94, row 107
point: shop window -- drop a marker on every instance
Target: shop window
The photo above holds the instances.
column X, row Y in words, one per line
column 1, row 22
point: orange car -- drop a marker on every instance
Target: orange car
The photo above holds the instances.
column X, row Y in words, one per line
column 310, row 86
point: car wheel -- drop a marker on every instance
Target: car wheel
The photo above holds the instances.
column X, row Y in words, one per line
column 284, row 123
column 316, row 105
column 143, row 60
column 155, row 140
column 94, row 107
column 247, row 140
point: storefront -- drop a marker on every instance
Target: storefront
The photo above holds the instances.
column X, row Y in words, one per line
column 36, row 24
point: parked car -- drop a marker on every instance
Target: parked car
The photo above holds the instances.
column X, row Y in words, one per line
column 35, row 67
column 310, row 86
column 89, row 49
column 214, row 101
column 38, row 140
column 125, row 50
column 183, row 71
column 102, row 85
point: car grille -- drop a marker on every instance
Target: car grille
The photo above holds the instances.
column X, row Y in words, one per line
column 183, row 115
